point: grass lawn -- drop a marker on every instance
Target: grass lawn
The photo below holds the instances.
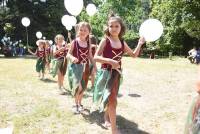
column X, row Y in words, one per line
column 154, row 98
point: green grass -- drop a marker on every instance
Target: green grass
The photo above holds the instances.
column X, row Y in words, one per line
column 154, row 98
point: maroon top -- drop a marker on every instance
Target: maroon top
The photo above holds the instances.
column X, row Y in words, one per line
column 40, row 53
column 62, row 54
column 112, row 53
column 81, row 53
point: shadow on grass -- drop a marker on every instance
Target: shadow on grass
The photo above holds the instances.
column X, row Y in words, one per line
column 94, row 117
column 124, row 125
column 119, row 95
column 47, row 80
column 128, row 127
column 134, row 95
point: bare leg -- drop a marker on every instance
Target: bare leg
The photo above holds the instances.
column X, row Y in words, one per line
column 93, row 77
column 39, row 74
column 59, row 79
column 60, row 83
column 112, row 115
column 106, row 119
column 80, row 94
column 42, row 75
column 112, row 103
column 62, row 80
column 77, row 111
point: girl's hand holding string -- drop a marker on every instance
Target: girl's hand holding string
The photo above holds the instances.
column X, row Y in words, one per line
column 74, row 60
column 141, row 41
column 29, row 50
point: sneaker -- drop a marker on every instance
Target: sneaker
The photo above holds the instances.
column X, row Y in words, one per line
column 63, row 89
column 80, row 108
column 107, row 125
column 61, row 92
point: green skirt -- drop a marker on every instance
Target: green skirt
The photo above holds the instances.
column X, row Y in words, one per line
column 193, row 119
column 106, row 82
column 58, row 64
column 40, row 65
column 78, row 73
column 49, row 58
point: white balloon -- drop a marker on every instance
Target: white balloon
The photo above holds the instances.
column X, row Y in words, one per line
column 91, row 9
column 50, row 42
column 74, row 7
column 151, row 30
column 44, row 38
column 25, row 21
column 68, row 20
column 68, row 27
column 39, row 35
column 43, row 0
column 73, row 20
column 65, row 20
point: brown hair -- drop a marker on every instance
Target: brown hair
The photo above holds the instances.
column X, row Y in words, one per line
column 83, row 23
column 115, row 18
column 93, row 39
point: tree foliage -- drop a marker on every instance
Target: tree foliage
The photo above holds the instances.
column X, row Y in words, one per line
column 180, row 18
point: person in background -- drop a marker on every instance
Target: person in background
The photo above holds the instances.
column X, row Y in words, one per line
column 41, row 58
column 192, row 54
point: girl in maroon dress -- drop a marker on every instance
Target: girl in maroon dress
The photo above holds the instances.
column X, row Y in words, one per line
column 78, row 71
column 41, row 58
column 109, row 54
column 59, row 63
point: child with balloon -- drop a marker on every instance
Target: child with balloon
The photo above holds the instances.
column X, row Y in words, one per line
column 78, row 71
column 109, row 54
column 59, row 63
column 41, row 58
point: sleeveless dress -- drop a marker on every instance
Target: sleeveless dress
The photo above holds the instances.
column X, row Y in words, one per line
column 40, row 64
column 79, row 72
column 107, row 79
column 59, row 63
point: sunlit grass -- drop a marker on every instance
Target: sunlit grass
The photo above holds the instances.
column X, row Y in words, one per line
column 154, row 98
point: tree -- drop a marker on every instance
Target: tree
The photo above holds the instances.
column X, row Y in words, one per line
column 174, row 15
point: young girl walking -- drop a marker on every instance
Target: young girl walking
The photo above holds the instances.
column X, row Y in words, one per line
column 59, row 63
column 78, row 71
column 109, row 54
column 41, row 58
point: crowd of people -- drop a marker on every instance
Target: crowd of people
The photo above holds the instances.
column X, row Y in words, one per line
column 78, row 58
column 11, row 48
